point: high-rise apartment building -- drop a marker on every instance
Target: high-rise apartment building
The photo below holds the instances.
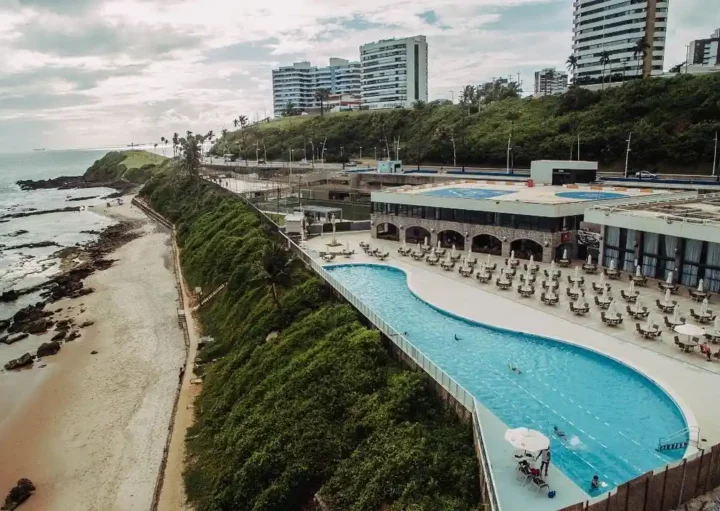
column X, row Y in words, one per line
column 394, row 72
column 298, row 83
column 623, row 29
column 550, row 81
column 705, row 52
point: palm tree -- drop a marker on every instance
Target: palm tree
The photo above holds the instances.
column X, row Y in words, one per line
column 641, row 48
column 155, row 146
column 242, row 121
column 162, row 141
column 604, row 60
column 273, row 269
column 512, row 116
column 224, row 133
column 191, row 149
column 176, row 143
column 289, row 109
column 571, row 65
column 235, row 122
column 322, row 96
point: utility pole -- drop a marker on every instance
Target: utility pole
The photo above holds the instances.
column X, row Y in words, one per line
column 257, row 153
column 507, row 166
column 715, row 158
column 360, row 153
column 578, row 135
column 264, row 152
column 397, row 149
column 627, row 154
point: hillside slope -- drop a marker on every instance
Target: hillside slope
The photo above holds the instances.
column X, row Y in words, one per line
column 133, row 166
column 673, row 123
column 303, row 397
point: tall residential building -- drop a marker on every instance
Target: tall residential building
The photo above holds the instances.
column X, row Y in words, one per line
column 299, row 82
column 550, row 81
column 616, row 27
column 394, row 72
column 705, row 52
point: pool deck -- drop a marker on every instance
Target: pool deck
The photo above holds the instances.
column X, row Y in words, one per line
column 688, row 377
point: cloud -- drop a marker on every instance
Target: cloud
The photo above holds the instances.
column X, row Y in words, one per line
column 107, row 72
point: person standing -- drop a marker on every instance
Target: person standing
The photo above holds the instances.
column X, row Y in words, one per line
column 544, row 461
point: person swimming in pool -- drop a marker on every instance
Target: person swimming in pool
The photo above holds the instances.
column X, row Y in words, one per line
column 560, row 433
column 595, row 483
column 456, row 337
column 514, row 369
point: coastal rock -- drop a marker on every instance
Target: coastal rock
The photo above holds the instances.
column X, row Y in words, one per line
column 4, row 323
column 63, row 325
column 48, row 348
column 94, row 352
column 24, row 361
column 87, row 197
column 11, row 339
column 59, row 336
column 9, row 296
column 38, row 244
column 18, row 494
column 17, row 233
column 39, row 327
column 74, row 334
column 31, row 319
column 42, row 212
column 86, row 323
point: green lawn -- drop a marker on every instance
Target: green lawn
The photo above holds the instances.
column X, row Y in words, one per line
column 287, row 122
column 136, row 159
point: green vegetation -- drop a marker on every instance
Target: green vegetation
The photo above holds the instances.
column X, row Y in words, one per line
column 673, row 123
column 132, row 166
column 299, row 396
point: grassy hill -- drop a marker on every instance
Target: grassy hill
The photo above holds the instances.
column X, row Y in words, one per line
column 673, row 122
column 301, row 397
column 132, row 166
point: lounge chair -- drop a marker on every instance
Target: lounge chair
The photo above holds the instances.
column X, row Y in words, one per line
column 539, row 483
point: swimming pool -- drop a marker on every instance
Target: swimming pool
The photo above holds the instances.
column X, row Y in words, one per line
column 611, row 414
column 466, row 193
column 599, row 195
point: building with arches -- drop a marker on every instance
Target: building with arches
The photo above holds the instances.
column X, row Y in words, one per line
column 494, row 217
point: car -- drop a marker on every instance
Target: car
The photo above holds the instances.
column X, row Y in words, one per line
column 644, row 174
column 351, row 164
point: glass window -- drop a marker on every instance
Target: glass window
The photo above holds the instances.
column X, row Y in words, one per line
column 712, row 271
column 691, row 268
column 650, row 250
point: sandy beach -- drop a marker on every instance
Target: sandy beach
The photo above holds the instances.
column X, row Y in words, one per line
column 89, row 429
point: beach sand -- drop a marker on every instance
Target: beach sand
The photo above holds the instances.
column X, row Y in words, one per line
column 91, row 429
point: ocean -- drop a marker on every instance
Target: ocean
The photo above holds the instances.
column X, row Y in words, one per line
column 20, row 268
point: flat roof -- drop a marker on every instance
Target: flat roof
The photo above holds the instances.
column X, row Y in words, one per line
column 318, row 209
column 689, row 215
column 512, row 196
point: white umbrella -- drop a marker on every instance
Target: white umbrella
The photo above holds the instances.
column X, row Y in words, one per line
column 552, row 267
column 704, row 306
column 649, row 322
column 577, row 272
column 512, row 255
column 589, row 259
column 482, row 268
column 438, row 244
column 669, row 277
column 489, row 259
column 527, row 439
column 716, row 324
column 638, row 271
column 404, row 243
column 700, row 285
column 611, row 308
column 602, row 279
column 565, row 255
column 667, row 296
column 638, row 305
column 631, row 288
column 690, row 330
column 426, row 241
column 447, row 259
column 532, row 260
column 612, row 264
column 453, row 250
column 676, row 315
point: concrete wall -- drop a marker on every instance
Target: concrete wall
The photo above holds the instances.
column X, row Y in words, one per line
column 506, row 235
column 665, row 490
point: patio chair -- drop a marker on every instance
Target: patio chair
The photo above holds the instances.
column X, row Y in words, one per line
column 694, row 314
column 640, row 330
column 628, row 297
column 539, row 483
column 599, row 304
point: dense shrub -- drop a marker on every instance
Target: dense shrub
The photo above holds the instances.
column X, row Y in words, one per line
column 319, row 407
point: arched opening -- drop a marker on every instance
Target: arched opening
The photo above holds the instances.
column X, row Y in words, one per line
column 487, row 244
column 560, row 251
column 417, row 235
column 525, row 248
column 388, row 231
column 449, row 238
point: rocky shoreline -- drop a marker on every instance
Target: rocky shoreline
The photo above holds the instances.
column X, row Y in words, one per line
column 37, row 319
column 71, row 182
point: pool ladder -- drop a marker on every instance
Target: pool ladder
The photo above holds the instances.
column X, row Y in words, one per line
column 680, row 439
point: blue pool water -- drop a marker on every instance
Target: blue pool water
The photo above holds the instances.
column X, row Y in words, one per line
column 466, row 193
column 591, row 195
column 612, row 415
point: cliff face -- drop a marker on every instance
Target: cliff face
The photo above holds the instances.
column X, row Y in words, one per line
column 298, row 395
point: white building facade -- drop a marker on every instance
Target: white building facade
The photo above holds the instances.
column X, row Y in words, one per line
column 705, row 52
column 394, row 72
column 550, row 81
column 615, row 27
column 299, row 82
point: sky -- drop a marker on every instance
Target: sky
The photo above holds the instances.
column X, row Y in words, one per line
column 96, row 73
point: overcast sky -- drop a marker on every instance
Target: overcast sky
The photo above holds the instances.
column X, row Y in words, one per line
column 91, row 73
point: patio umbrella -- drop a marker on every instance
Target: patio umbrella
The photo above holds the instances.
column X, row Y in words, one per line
column 611, row 308
column 577, row 272
column 669, row 277
column 589, row 259
column 631, row 288
column 453, row 251
column 649, row 322
column 612, row 264
column 512, row 255
column 700, row 286
column 447, row 259
column 676, row 315
column 482, row 268
column 527, row 439
column 532, row 260
column 639, row 304
column 602, row 279
column 552, row 267
column 426, row 241
column 438, row 244
column 404, row 244
column 704, row 306
column 667, row 296
column 638, row 271
column 716, row 324
column 565, row 255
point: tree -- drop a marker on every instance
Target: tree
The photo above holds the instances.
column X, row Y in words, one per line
column 224, row 133
column 163, row 141
column 191, row 154
column 176, row 143
column 677, row 68
column 419, row 104
column 641, row 48
column 512, row 116
column 446, row 132
column 289, row 109
column 571, row 65
column 468, row 96
column 242, row 121
column 497, row 90
column 155, row 146
column 322, row 95
column 274, row 269
column 604, row 60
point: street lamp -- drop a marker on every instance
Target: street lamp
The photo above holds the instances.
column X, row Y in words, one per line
column 627, row 154
column 361, row 152
column 341, row 151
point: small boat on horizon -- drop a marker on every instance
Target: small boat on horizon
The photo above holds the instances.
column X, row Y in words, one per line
column 41, row 149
